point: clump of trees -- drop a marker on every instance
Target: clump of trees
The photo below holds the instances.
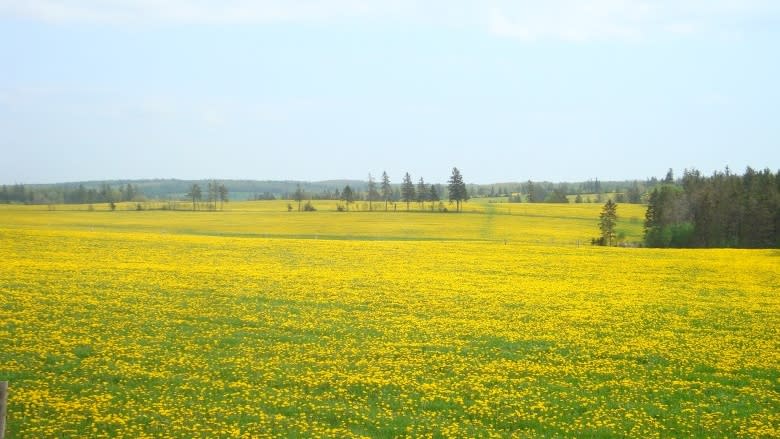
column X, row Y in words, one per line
column 215, row 193
column 724, row 210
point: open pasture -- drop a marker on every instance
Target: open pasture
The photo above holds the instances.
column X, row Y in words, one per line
column 499, row 321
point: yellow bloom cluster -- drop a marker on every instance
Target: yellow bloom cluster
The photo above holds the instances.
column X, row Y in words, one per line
column 242, row 324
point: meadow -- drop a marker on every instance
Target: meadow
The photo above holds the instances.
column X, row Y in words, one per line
column 501, row 321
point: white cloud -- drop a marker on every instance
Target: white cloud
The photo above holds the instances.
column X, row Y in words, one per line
column 529, row 20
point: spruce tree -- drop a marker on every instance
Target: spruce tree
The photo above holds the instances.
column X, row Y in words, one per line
column 433, row 196
column 372, row 193
column 387, row 190
column 457, row 189
column 422, row 192
column 348, row 196
column 407, row 190
column 607, row 221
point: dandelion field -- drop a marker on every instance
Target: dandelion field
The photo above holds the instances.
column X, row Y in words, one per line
column 499, row 321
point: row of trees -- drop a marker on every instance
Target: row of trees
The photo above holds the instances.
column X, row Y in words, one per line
column 724, row 210
column 409, row 192
column 215, row 192
column 368, row 193
column 592, row 191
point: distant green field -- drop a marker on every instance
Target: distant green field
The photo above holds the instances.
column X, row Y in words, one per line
column 564, row 224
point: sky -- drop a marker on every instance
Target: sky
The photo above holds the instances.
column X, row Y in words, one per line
column 559, row 90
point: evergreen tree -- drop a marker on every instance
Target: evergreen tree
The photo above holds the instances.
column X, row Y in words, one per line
column 347, row 195
column 422, row 192
column 607, row 221
column 433, row 196
column 651, row 220
column 457, row 189
column 128, row 192
column 387, row 190
column 372, row 192
column 407, row 190
column 557, row 196
column 669, row 179
column 634, row 194
column 725, row 210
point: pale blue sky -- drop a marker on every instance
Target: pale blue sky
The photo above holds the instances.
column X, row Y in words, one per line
column 505, row 90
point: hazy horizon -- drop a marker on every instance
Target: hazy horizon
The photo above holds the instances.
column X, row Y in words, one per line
column 271, row 90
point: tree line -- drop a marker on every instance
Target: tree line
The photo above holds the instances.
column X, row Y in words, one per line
column 81, row 194
column 723, row 210
column 591, row 191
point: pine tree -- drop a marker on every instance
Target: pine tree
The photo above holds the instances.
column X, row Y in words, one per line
column 347, row 195
column 433, row 196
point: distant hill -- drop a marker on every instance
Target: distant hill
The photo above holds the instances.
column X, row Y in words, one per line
column 175, row 188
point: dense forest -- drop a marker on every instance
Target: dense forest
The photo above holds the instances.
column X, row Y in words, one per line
column 724, row 210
